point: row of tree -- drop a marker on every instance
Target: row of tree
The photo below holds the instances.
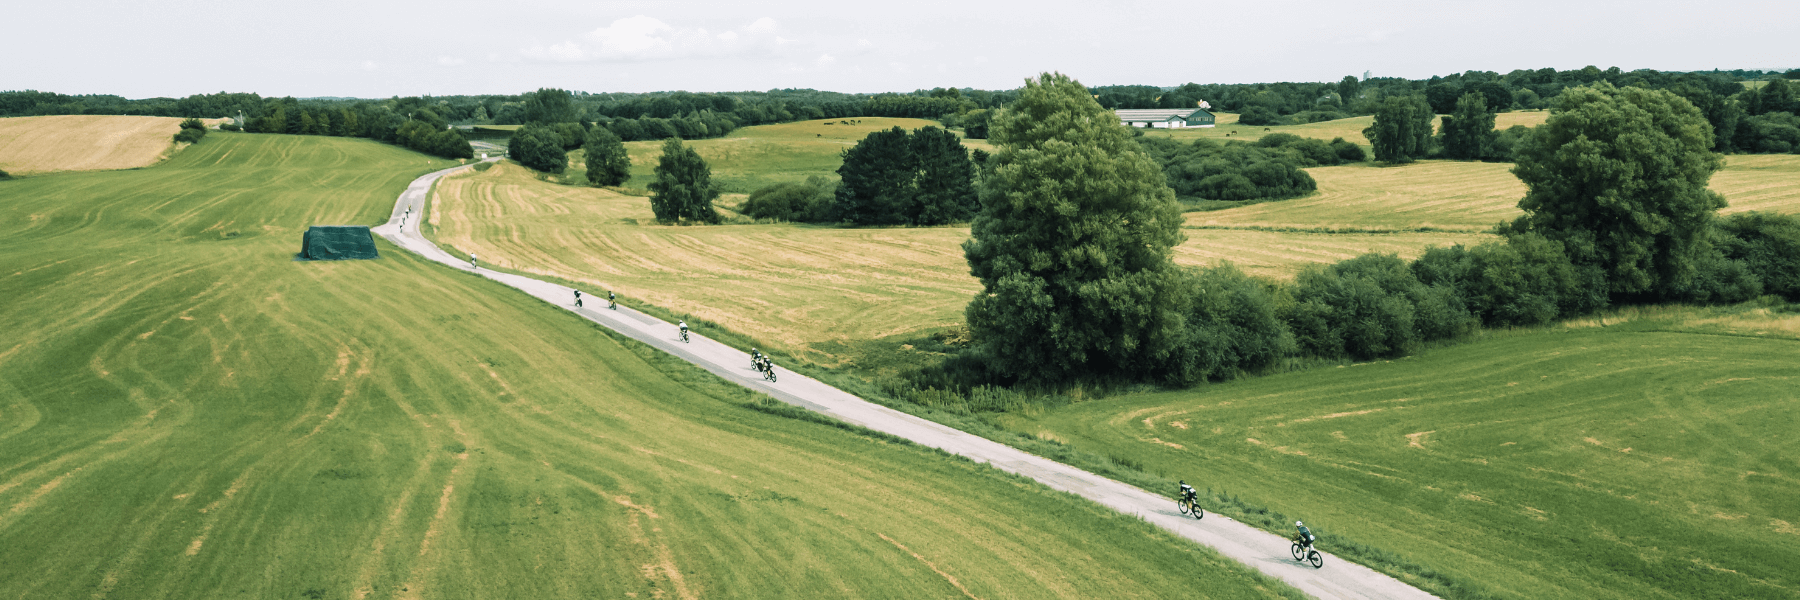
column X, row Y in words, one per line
column 1073, row 242
column 892, row 177
column 1267, row 169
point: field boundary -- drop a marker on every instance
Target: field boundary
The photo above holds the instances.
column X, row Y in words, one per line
column 1255, row 548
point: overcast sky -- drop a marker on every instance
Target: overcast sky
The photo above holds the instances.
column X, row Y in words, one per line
column 375, row 48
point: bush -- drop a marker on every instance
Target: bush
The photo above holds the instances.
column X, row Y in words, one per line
column 1232, row 327
column 802, row 202
column 231, row 127
column 1258, row 115
column 1527, row 280
column 1768, row 246
column 538, row 147
column 1372, row 306
column 1348, row 152
column 4, row 175
column 190, row 136
column 1239, row 171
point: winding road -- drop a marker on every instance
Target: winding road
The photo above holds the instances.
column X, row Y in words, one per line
column 1259, row 549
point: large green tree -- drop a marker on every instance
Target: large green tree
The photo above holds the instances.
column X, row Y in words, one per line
column 683, row 190
column 538, row 147
column 1072, row 245
column 550, row 105
column 1402, row 129
column 1469, row 132
column 607, row 162
column 895, row 178
column 1619, row 175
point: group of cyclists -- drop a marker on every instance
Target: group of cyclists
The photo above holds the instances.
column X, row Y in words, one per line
column 1189, row 503
column 762, row 363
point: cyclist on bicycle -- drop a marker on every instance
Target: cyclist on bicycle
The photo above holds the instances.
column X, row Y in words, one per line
column 577, row 298
column 1187, row 491
column 1305, row 536
column 612, row 301
column 756, row 358
column 684, row 329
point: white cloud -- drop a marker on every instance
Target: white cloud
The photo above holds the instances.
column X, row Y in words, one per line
column 641, row 38
column 369, row 65
column 450, row 61
column 825, row 60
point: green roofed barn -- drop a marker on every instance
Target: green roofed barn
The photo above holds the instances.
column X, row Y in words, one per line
column 1165, row 117
column 337, row 242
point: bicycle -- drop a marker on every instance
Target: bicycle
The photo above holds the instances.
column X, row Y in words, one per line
column 684, row 337
column 769, row 374
column 1190, row 505
column 1305, row 553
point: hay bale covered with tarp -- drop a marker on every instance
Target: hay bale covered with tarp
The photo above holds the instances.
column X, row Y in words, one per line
column 338, row 242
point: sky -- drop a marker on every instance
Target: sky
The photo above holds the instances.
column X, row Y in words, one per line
column 377, row 48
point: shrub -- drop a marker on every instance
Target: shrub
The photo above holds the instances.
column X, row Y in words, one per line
column 231, row 127
column 538, row 147
column 1372, row 306
column 4, row 175
column 1258, row 115
column 1232, row 327
column 1237, row 170
column 1768, row 245
column 1347, row 152
column 792, row 201
column 190, row 136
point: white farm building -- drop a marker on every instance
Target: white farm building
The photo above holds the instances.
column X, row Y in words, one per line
column 1165, row 117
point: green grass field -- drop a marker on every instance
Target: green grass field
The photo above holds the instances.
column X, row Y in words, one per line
column 1652, row 458
column 187, row 412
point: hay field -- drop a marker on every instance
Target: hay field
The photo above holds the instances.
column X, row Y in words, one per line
column 33, row 145
column 753, row 157
column 1350, row 129
column 1470, row 196
column 810, row 290
column 186, row 412
column 1651, row 458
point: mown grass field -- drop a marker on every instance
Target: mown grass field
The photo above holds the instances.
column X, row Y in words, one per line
column 1470, row 196
column 187, row 412
column 754, row 157
column 1350, row 129
column 33, row 145
column 806, row 289
column 1651, row 458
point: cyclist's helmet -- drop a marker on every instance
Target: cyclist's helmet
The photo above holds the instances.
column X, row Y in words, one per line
column 1184, row 482
column 1298, row 524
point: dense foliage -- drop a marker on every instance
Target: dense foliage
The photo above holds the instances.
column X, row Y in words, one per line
column 1266, row 169
column 895, row 178
column 1072, row 245
column 538, row 147
column 810, row 201
column 1620, row 175
column 1469, row 133
column 1768, row 246
column 607, row 162
column 683, row 189
column 1402, row 130
column 191, row 131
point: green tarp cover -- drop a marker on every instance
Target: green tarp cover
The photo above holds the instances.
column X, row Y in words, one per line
column 338, row 242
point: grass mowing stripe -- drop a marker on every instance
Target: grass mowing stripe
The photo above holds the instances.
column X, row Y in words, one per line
column 216, row 419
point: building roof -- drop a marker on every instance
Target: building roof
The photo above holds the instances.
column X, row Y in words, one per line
column 1157, row 114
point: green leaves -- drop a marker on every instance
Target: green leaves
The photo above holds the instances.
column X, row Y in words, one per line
column 1072, row 245
column 895, row 178
column 683, row 190
column 1402, row 129
column 538, row 147
column 1627, row 168
column 607, row 161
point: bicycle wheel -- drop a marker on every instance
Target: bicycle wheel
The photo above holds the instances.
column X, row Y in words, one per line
column 1183, row 505
column 1299, row 552
column 1318, row 562
column 771, row 376
column 1199, row 514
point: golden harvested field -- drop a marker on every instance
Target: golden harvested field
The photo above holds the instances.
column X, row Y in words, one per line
column 802, row 288
column 1764, row 182
column 30, row 145
column 1470, row 196
column 754, row 157
column 1349, row 129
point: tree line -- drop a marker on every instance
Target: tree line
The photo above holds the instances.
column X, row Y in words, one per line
column 1078, row 284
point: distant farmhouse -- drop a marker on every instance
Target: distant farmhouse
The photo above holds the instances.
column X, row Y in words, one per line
column 1166, row 117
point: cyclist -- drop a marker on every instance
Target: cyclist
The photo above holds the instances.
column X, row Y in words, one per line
column 756, row 358
column 683, row 330
column 1305, row 536
column 472, row 260
column 1187, row 492
column 612, row 301
column 577, row 298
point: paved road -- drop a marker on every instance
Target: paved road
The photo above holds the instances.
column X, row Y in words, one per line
column 1259, row 549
